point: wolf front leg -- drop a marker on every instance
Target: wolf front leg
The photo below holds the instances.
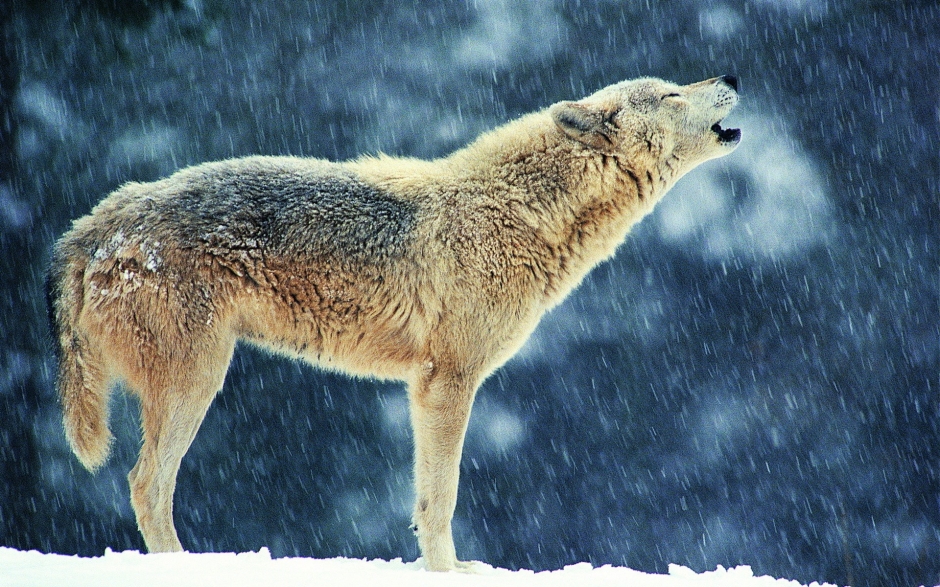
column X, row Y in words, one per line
column 440, row 409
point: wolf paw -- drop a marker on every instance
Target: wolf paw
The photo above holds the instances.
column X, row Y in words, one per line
column 470, row 567
column 463, row 567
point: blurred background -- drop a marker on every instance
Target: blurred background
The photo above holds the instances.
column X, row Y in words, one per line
column 752, row 380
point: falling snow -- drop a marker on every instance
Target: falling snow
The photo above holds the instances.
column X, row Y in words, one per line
column 752, row 382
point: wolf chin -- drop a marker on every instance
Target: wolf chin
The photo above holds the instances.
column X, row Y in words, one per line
column 429, row 272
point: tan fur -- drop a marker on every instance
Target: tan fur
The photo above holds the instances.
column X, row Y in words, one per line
column 433, row 273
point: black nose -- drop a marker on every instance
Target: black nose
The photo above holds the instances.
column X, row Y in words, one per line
column 731, row 81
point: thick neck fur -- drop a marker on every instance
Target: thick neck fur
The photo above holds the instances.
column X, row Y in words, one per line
column 576, row 204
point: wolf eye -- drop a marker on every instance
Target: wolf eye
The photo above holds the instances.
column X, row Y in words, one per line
column 671, row 96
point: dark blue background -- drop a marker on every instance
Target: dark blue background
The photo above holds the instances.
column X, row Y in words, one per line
column 752, row 380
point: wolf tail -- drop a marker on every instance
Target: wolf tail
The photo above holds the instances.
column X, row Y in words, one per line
column 82, row 379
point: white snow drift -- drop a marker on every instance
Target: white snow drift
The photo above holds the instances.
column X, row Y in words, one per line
column 256, row 569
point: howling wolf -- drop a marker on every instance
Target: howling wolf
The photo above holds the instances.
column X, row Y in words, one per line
column 429, row 272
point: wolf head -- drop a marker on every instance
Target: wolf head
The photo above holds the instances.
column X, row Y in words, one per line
column 655, row 123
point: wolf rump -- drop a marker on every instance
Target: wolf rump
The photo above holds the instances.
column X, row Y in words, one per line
column 430, row 272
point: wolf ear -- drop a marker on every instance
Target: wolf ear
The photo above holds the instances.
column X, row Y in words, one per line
column 585, row 124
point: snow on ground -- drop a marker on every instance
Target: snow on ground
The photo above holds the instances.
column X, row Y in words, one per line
column 258, row 569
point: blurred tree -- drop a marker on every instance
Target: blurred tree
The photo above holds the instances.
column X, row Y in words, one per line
column 17, row 450
column 26, row 521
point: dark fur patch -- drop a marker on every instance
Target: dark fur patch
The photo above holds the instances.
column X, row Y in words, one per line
column 294, row 213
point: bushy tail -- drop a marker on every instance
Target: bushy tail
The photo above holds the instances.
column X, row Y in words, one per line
column 82, row 381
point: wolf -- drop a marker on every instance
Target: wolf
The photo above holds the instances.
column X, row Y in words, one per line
column 433, row 273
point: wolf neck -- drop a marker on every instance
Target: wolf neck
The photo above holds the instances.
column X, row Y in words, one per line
column 576, row 203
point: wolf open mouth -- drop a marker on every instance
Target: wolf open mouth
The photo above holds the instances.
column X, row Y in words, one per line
column 727, row 135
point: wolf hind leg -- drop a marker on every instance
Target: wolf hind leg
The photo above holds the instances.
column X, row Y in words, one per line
column 171, row 414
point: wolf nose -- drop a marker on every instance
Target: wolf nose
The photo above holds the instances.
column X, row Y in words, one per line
column 731, row 81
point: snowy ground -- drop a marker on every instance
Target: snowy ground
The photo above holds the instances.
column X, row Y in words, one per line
column 34, row 569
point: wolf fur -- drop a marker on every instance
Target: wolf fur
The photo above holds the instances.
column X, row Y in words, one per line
column 429, row 272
